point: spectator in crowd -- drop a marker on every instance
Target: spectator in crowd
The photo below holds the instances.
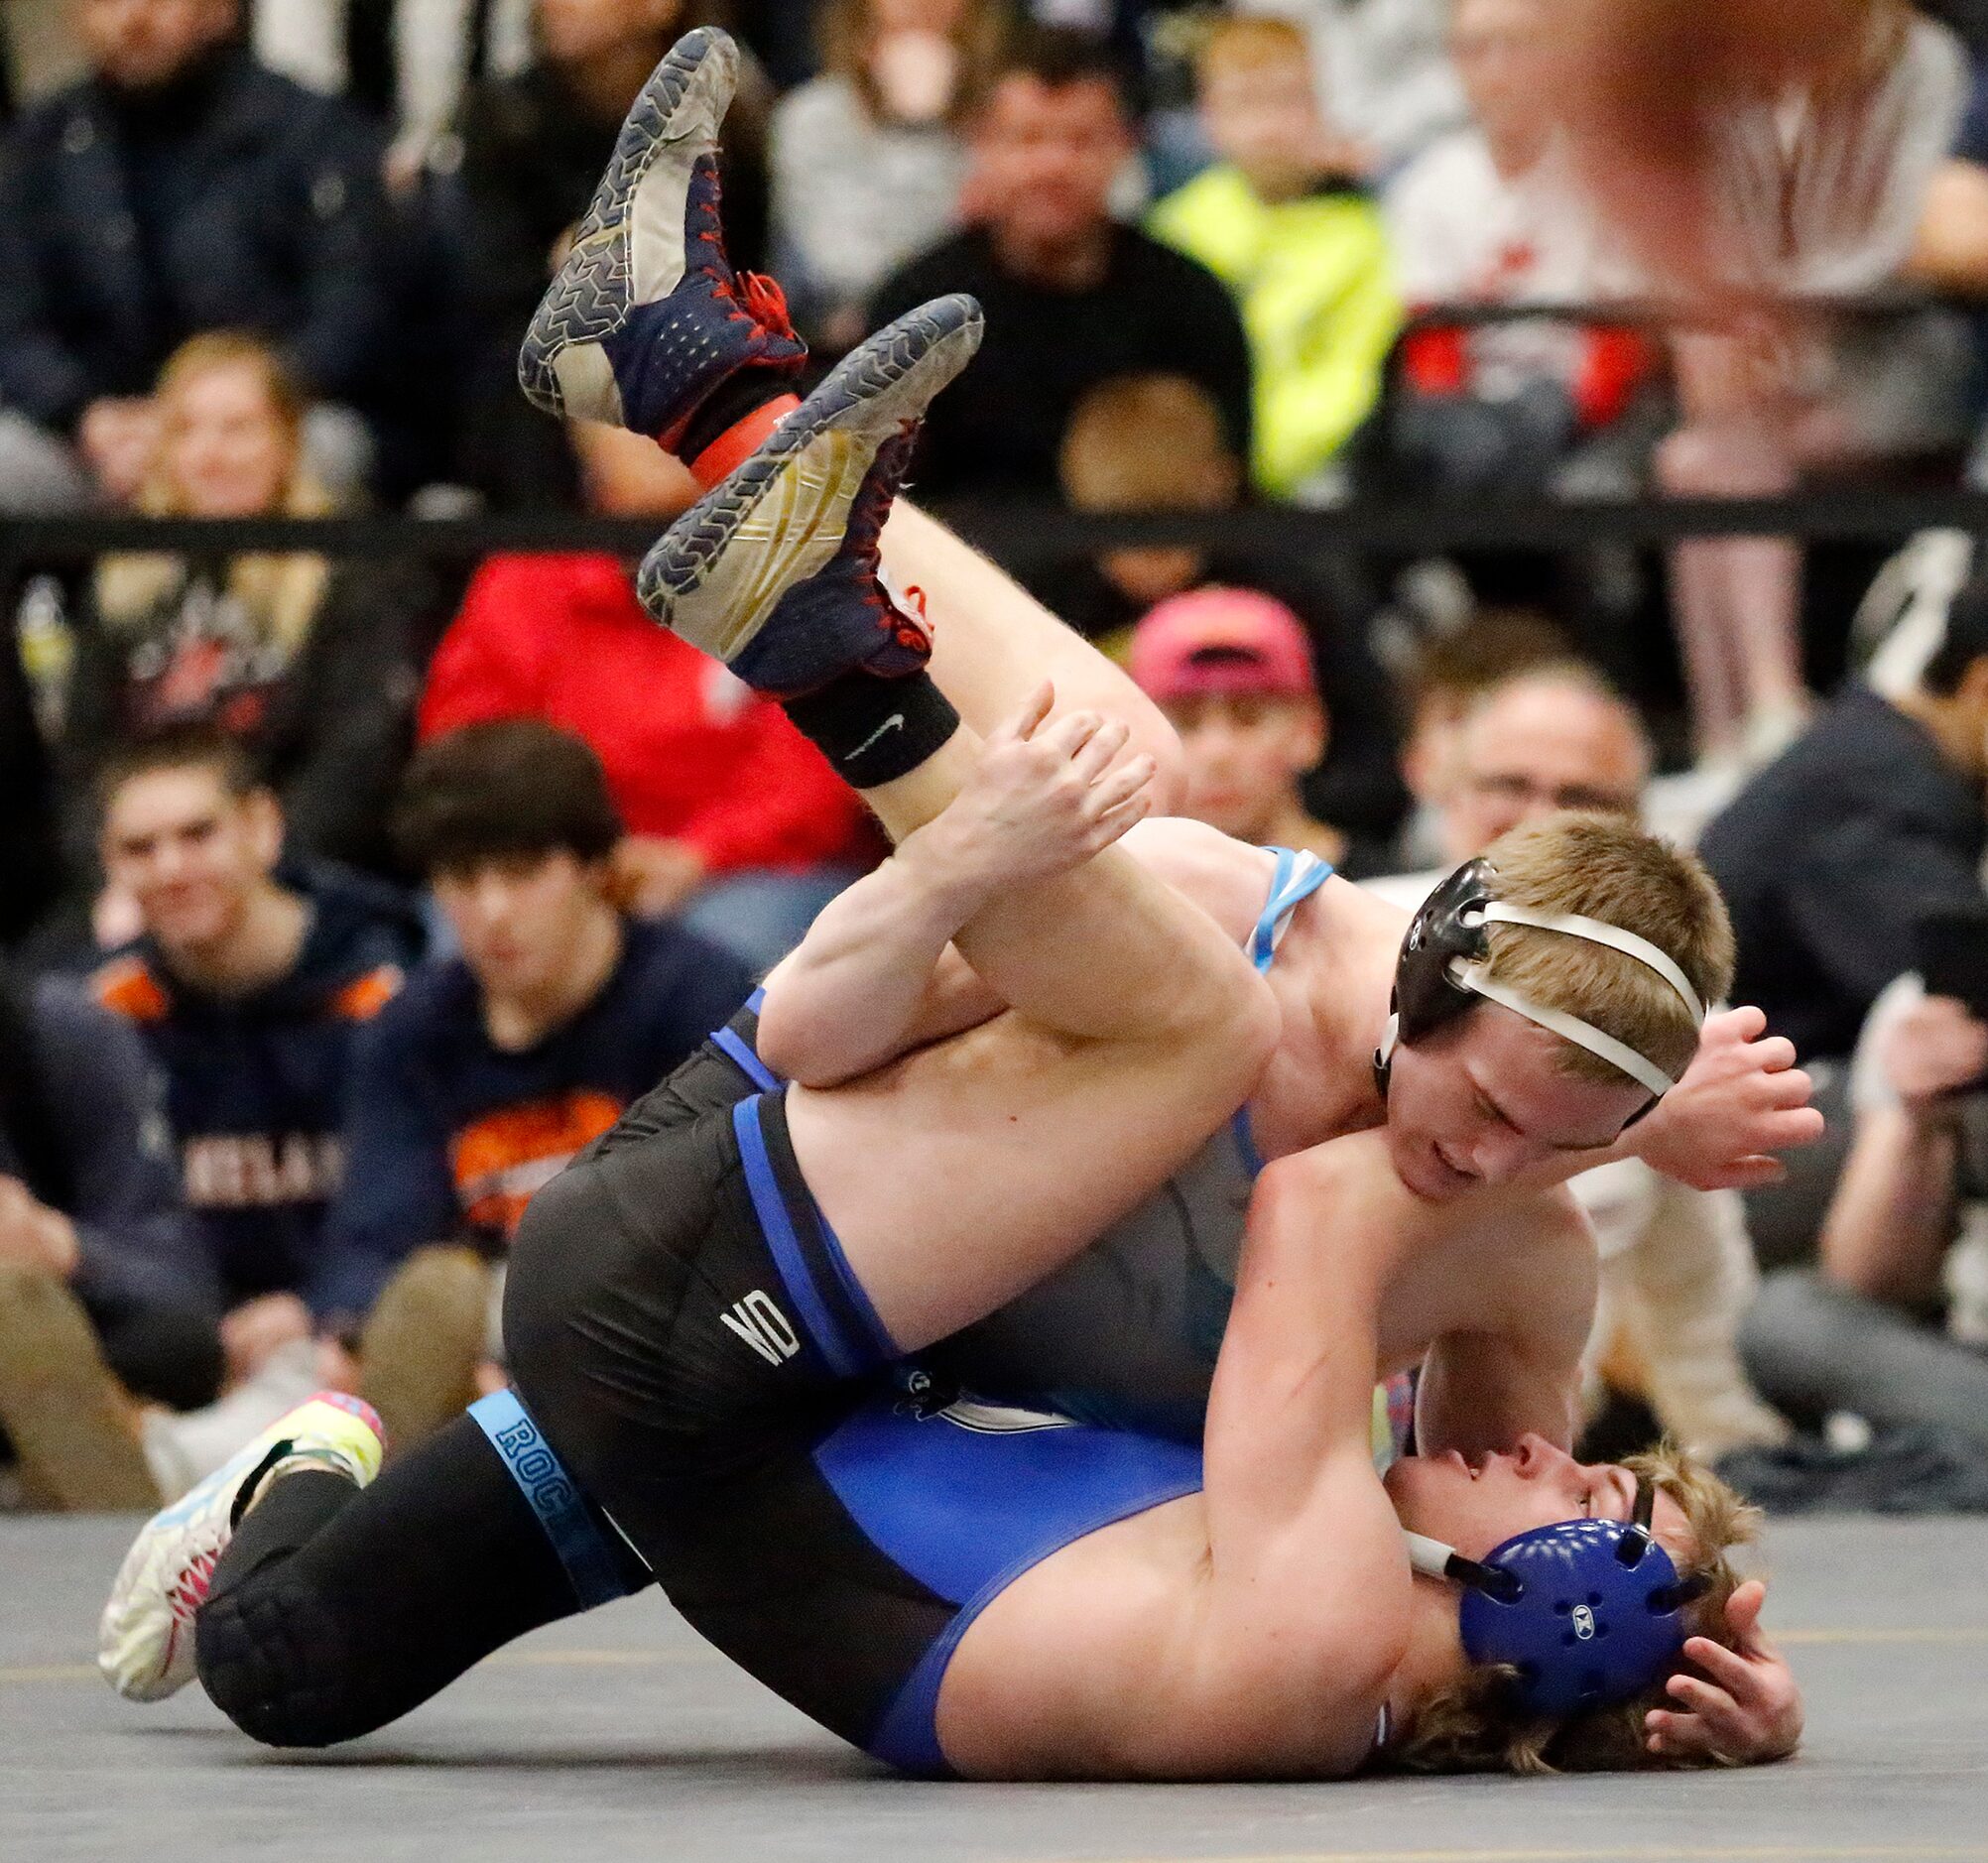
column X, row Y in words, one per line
column 533, row 148
column 1444, row 676
column 487, row 1073
column 1893, row 1323
column 250, row 984
column 735, row 821
column 1282, row 220
column 1765, row 404
column 1831, row 856
column 1951, row 248
column 1071, row 296
column 868, row 160
column 1383, row 73
column 307, row 663
column 1232, row 671
column 405, row 62
column 1676, row 1269
column 99, row 1265
column 1480, row 217
column 183, row 187
column 1156, row 443
column 1550, row 737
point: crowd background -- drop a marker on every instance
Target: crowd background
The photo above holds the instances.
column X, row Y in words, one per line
column 343, row 898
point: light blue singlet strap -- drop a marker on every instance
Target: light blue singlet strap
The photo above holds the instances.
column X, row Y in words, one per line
column 1296, row 878
column 590, row 1565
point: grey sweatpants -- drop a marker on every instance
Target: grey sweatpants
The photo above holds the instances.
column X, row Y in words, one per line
column 1812, row 1348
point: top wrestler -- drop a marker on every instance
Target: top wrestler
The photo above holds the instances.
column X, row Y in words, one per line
column 826, row 482
column 646, row 325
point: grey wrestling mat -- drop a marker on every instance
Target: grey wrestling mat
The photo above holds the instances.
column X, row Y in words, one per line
column 620, row 1737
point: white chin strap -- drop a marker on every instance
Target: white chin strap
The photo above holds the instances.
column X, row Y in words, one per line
column 1430, row 1558
column 1476, row 979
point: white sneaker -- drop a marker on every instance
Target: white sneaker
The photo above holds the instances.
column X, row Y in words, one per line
column 144, row 1640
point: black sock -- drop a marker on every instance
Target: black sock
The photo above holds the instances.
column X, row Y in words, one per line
column 875, row 730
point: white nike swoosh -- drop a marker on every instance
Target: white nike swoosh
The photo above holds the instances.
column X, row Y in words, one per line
column 895, row 722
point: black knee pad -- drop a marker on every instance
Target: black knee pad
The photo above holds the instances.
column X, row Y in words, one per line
column 273, row 1660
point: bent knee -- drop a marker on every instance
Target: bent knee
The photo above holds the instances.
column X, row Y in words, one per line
column 275, row 1662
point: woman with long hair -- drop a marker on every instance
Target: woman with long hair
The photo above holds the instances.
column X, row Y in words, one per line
column 307, row 661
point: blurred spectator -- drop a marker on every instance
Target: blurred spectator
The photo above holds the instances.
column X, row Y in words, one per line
column 1677, row 1270
column 1383, row 72
column 533, row 148
column 405, row 62
column 183, row 187
column 1071, row 298
column 1282, row 220
column 868, row 160
column 1550, row 737
column 1950, row 250
column 1765, row 403
column 1232, row 671
column 735, row 821
column 1830, row 857
column 98, row 1263
column 1893, row 1325
column 1443, row 678
column 310, row 665
column 250, row 983
column 1481, row 218
column 487, row 1075
column 1156, row 443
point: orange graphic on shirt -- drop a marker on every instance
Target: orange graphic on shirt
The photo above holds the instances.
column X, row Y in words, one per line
column 505, row 1158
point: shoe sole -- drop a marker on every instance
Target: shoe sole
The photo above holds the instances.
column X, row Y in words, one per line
column 782, row 516
column 627, row 252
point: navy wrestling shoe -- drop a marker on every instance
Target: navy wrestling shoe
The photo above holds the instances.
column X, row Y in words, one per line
column 776, row 572
column 646, row 316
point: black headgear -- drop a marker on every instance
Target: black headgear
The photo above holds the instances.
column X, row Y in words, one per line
column 1442, row 972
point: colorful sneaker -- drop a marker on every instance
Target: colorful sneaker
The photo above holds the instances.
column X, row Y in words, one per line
column 775, row 571
column 144, row 1640
column 646, row 316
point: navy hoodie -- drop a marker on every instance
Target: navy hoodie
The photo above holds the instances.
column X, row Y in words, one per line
column 256, row 1084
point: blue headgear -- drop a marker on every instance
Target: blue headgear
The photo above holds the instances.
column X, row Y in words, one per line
column 1589, row 1612
column 1444, row 969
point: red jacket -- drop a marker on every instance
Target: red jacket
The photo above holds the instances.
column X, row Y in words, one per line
column 690, row 753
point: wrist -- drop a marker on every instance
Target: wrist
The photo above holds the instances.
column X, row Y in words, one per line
column 945, row 890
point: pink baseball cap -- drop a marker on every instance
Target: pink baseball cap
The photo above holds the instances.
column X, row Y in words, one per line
column 1221, row 640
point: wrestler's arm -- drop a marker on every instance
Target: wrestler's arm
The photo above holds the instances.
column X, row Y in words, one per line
column 1304, row 1609
column 877, row 975
column 1741, row 1100
column 1516, row 1369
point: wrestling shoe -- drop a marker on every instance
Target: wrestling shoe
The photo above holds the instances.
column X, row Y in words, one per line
column 775, row 571
column 144, row 1640
column 646, row 316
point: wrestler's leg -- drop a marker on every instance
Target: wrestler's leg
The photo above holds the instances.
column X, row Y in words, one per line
column 669, row 341
column 992, row 642
column 336, row 1609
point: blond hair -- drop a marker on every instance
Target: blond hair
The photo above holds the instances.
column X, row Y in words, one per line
column 281, row 595
column 1249, row 42
column 1143, row 442
column 1474, row 1725
column 1603, row 867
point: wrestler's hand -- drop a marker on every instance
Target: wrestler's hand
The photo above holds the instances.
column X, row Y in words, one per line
column 1045, row 796
column 1741, row 1099
column 1746, row 1709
